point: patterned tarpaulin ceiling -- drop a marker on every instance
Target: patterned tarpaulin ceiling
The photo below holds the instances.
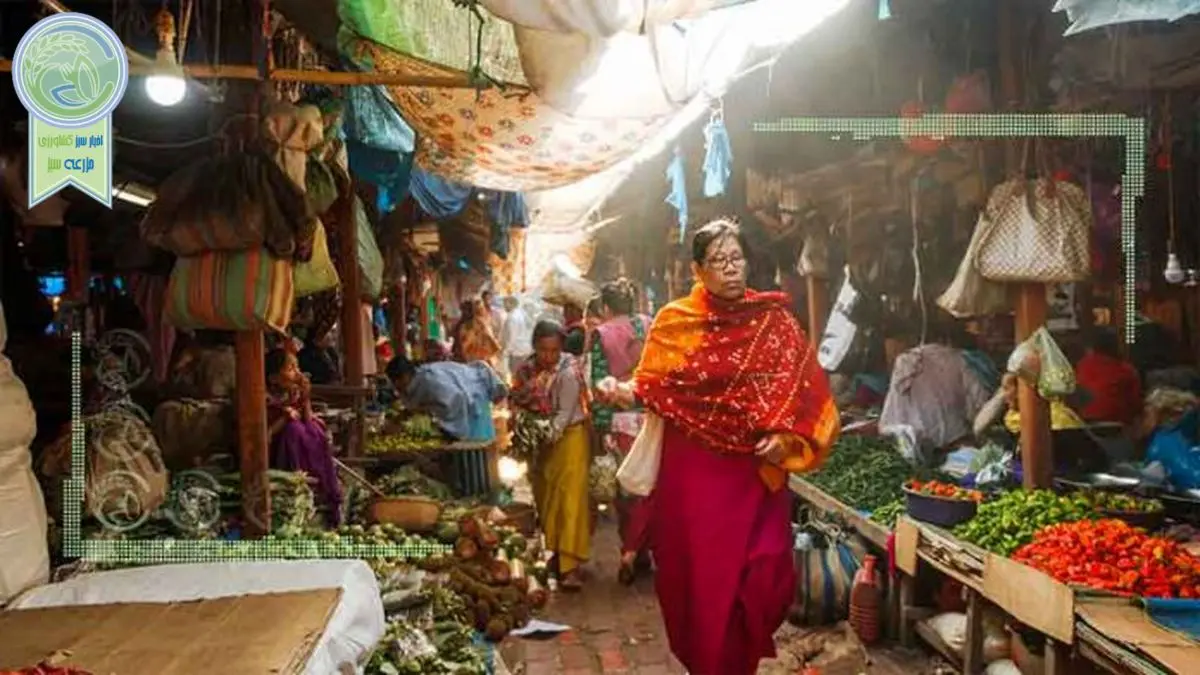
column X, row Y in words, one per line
column 597, row 99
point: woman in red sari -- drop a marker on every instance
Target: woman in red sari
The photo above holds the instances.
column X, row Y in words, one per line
column 744, row 402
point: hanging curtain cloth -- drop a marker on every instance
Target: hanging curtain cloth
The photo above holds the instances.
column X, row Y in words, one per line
column 378, row 141
column 438, row 197
column 506, row 211
column 677, row 193
column 718, row 157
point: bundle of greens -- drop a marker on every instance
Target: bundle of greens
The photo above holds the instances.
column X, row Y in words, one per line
column 530, row 433
column 293, row 505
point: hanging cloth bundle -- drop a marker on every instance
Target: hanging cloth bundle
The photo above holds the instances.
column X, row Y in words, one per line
column 677, row 193
column 718, row 155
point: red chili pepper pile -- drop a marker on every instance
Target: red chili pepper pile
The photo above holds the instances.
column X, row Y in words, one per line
column 1113, row 556
column 46, row 669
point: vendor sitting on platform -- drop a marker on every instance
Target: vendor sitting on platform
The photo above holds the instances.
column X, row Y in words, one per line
column 1005, row 402
column 1110, row 387
column 298, row 438
column 459, row 396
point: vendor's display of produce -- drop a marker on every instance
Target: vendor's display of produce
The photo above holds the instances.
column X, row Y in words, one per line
column 1111, row 555
column 495, row 584
column 1114, row 502
column 865, row 472
column 934, row 488
column 293, row 504
column 417, row 433
column 1009, row 522
column 887, row 514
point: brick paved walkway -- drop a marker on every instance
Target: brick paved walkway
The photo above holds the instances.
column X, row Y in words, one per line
column 618, row 630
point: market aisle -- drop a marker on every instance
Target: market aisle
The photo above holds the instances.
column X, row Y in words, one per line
column 619, row 630
column 616, row 629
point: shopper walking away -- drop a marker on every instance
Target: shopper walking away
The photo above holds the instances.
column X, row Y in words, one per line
column 616, row 347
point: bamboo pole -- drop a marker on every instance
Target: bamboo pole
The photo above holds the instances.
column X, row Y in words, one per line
column 347, row 260
column 1037, row 459
column 318, row 77
column 818, row 307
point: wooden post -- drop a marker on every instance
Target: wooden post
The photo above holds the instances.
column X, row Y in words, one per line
column 352, row 325
column 1037, row 460
column 79, row 272
column 253, row 443
column 818, row 307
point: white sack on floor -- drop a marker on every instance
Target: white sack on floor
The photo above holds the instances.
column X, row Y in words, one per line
column 354, row 629
column 24, row 552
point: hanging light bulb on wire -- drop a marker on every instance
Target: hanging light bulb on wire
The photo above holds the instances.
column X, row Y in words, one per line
column 1173, row 273
column 166, row 86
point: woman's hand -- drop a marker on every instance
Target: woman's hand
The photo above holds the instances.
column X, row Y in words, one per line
column 773, row 448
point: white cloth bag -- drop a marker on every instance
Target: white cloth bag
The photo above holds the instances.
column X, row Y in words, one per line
column 639, row 472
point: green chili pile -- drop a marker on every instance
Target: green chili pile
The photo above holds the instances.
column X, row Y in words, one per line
column 1009, row 522
column 865, row 472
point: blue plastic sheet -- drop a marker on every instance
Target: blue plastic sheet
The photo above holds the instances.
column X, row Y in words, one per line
column 1175, row 448
column 718, row 158
column 677, row 191
column 1176, row 615
column 438, row 197
column 379, row 142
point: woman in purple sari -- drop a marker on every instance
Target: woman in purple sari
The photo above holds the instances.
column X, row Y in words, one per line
column 298, row 438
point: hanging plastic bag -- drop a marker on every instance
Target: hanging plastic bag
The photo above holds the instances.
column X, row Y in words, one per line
column 1039, row 359
column 639, row 472
column 970, row 294
column 319, row 273
column 840, row 330
column 370, row 259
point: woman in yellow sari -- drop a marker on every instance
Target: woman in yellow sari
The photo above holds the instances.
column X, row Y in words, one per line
column 551, row 384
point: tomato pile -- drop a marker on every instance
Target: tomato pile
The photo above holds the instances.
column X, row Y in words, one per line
column 1112, row 556
column 936, row 488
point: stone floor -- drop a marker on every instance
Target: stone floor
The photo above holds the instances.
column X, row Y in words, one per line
column 618, row 629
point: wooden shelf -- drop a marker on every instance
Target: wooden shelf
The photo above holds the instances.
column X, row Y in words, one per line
column 874, row 532
column 401, row 457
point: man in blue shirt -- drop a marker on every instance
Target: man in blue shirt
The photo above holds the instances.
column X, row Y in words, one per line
column 458, row 396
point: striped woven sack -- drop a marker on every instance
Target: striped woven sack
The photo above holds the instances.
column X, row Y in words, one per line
column 239, row 290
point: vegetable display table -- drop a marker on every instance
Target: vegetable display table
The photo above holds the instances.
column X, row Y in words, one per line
column 473, row 463
column 1110, row 633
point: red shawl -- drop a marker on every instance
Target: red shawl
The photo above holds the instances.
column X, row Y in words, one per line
column 731, row 373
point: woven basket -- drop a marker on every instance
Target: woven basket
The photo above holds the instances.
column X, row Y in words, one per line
column 413, row 514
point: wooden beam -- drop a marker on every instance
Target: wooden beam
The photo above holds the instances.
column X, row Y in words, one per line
column 253, row 442
column 352, row 323
column 319, row 77
column 78, row 264
column 1037, row 459
column 818, row 307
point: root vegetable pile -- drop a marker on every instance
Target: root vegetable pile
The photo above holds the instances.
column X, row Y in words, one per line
column 1110, row 555
column 1009, row 522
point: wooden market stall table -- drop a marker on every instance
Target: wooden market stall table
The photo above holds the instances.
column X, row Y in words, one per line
column 874, row 533
column 1110, row 633
column 473, row 463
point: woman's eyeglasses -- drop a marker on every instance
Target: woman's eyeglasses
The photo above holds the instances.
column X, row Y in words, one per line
column 721, row 262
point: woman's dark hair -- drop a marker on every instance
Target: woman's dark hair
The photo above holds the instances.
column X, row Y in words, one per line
column 275, row 360
column 714, row 231
column 399, row 367
column 467, row 307
column 618, row 296
column 547, row 328
column 1103, row 340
